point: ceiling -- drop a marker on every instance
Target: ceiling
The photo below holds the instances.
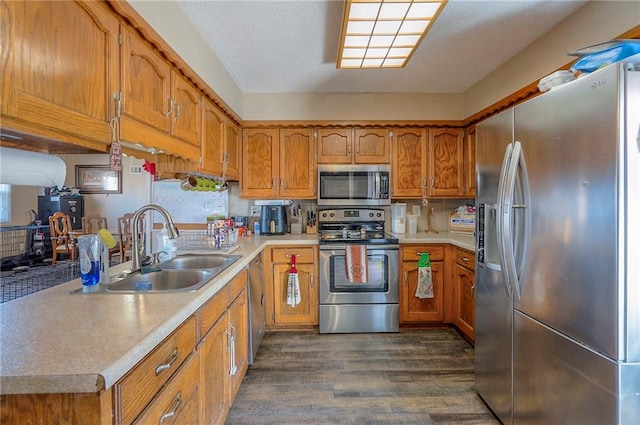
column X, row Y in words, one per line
column 289, row 46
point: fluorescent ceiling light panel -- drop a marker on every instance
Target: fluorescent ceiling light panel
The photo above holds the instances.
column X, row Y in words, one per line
column 384, row 33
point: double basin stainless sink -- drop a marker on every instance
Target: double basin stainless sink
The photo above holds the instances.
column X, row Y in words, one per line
column 184, row 273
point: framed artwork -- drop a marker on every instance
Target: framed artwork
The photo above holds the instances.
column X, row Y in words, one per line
column 98, row 179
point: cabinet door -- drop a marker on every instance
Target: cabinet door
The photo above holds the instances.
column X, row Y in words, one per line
column 239, row 329
column 335, row 146
column 306, row 312
column 465, row 300
column 59, row 66
column 185, row 122
column 297, row 164
column 212, row 138
column 409, row 162
column 232, row 150
column 470, row 162
column 372, row 145
column 214, row 373
column 414, row 309
column 445, row 162
column 146, row 83
column 260, row 163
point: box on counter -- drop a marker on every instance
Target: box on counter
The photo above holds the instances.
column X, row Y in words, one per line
column 463, row 220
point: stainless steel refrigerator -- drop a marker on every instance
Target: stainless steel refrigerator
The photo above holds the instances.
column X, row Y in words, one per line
column 558, row 255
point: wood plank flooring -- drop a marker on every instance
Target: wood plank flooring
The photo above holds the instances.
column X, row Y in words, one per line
column 412, row 377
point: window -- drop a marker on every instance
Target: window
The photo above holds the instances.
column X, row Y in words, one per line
column 5, row 203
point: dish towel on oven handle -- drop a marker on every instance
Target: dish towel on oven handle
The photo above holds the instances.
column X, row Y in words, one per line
column 293, row 284
column 425, row 281
column 357, row 266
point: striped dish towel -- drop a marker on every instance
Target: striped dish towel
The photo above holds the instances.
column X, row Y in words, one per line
column 356, row 258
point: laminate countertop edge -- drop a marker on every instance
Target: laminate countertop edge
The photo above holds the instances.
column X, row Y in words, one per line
column 57, row 342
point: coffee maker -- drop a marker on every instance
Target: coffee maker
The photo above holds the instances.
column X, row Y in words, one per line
column 273, row 220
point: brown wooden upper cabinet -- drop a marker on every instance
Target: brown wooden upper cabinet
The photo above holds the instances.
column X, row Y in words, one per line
column 409, row 163
column 59, row 69
column 278, row 163
column 220, row 142
column 446, row 167
column 470, row 162
column 353, row 146
column 160, row 107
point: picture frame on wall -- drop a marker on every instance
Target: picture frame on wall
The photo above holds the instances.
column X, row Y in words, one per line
column 98, row 179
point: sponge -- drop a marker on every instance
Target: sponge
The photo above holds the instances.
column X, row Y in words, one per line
column 107, row 238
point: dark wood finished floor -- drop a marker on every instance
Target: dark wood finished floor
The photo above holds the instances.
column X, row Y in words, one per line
column 412, row 377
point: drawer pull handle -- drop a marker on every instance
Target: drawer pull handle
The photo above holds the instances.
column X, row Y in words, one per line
column 419, row 254
column 291, row 255
column 174, row 408
column 465, row 259
column 168, row 363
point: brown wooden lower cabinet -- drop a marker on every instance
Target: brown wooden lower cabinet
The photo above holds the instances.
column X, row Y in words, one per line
column 414, row 310
column 464, row 292
column 279, row 313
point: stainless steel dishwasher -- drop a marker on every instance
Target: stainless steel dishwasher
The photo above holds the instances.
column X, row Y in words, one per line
column 257, row 314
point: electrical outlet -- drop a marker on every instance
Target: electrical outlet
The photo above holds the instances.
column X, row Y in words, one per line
column 255, row 209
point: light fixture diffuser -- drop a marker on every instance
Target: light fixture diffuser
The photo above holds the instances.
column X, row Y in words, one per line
column 384, row 33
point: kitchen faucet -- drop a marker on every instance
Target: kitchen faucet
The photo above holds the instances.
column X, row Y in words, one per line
column 138, row 247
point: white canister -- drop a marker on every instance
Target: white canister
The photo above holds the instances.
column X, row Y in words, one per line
column 412, row 223
column 398, row 217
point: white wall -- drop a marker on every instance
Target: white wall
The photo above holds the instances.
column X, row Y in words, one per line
column 169, row 20
column 596, row 22
column 372, row 106
column 136, row 188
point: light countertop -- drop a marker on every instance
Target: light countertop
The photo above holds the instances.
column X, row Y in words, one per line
column 57, row 342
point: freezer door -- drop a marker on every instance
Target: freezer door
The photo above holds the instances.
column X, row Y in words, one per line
column 494, row 305
column 493, row 345
column 570, row 140
column 557, row 381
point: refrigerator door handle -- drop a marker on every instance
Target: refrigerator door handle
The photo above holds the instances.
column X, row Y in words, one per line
column 500, row 217
column 516, row 257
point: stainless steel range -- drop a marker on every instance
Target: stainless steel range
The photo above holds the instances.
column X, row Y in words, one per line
column 357, row 306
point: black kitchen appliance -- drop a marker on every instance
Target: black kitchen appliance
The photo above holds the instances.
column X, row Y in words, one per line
column 273, row 220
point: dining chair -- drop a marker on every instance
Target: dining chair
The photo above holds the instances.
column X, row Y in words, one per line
column 125, row 237
column 62, row 241
column 92, row 223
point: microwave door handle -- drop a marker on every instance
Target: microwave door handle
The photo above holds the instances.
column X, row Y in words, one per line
column 371, row 186
column 376, row 195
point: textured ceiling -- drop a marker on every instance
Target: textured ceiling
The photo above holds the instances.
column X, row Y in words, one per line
column 288, row 46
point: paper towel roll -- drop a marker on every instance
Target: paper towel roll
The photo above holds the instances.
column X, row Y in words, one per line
column 25, row 168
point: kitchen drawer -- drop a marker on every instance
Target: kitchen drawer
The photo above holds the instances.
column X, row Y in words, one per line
column 237, row 284
column 209, row 313
column 177, row 398
column 283, row 255
column 464, row 257
column 136, row 389
column 413, row 252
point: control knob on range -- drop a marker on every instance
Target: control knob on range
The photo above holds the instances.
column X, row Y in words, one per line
column 370, row 214
column 379, row 215
column 332, row 215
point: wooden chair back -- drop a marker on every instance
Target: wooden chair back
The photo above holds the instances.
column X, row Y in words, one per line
column 92, row 223
column 125, row 227
column 61, row 240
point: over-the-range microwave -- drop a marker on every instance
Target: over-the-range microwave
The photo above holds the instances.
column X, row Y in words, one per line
column 354, row 184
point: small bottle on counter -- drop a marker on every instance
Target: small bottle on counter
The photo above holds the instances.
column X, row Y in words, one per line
column 256, row 228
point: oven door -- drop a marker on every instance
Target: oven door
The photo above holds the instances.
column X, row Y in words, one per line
column 382, row 285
